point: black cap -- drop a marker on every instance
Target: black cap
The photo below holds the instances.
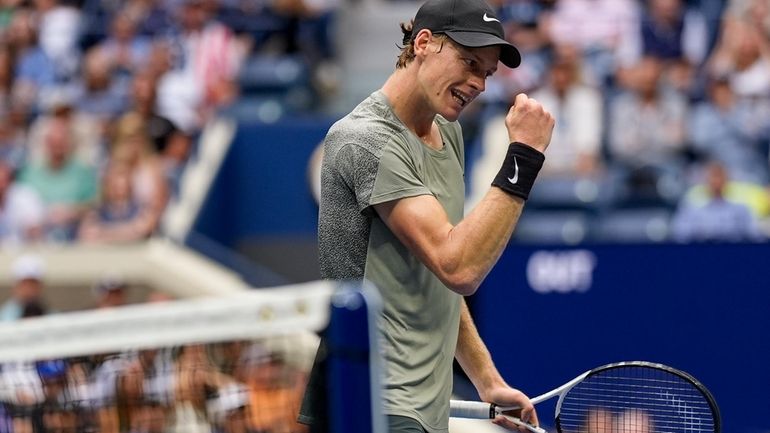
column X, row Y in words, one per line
column 471, row 23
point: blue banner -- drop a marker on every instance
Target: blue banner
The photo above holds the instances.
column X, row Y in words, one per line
column 549, row 314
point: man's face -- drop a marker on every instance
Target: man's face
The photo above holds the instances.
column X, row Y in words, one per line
column 57, row 142
column 6, row 177
column 113, row 298
column 453, row 75
column 716, row 179
column 28, row 290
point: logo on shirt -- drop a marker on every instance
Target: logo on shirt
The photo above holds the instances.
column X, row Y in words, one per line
column 489, row 19
column 515, row 179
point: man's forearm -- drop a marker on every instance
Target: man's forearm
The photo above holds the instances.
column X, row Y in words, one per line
column 474, row 357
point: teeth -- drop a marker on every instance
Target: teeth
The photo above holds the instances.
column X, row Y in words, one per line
column 462, row 99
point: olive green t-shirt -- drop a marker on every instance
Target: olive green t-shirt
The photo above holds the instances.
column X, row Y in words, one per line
column 370, row 157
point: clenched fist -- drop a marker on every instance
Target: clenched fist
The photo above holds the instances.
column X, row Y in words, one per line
column 529, row 123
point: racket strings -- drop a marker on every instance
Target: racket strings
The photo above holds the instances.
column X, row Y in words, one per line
column 635, row 400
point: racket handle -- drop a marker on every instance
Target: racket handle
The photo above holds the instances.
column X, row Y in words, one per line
column 471, row 409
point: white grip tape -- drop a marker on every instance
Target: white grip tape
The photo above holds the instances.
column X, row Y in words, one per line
column 470, row 409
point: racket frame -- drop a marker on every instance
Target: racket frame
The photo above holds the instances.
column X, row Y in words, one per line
column 564, row 389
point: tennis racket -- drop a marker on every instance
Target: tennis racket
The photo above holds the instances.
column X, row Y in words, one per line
column 624, row 397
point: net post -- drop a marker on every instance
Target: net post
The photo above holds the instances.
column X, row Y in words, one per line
column 355, row 404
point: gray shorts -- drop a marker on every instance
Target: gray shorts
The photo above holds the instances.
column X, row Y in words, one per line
column 402, row 424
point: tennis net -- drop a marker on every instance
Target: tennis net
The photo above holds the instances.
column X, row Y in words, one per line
column 234, row 364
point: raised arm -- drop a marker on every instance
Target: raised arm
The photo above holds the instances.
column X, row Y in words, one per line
column 462, row 255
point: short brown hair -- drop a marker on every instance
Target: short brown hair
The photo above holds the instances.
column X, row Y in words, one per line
column 407, row 50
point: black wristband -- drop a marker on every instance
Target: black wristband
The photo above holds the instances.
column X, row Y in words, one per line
column 519, row 170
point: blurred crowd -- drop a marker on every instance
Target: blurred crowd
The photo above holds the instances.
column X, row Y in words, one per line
column 228, row 387
column 234, row 387
column 102, row 102
column 661, row 105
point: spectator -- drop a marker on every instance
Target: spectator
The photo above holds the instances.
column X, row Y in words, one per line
column 7, row 9
column 579, row 110
column 134, row 150
column 206, row 61
column 742, row 56
column 58, row 417
column 171, row 143
column 599, row 421
column 149, row 415
column 33, row 309
column 103, row 398
column 755, row 12
column 49, row 56
column 59, row 30
column 672, row 32
column 195, row 374
column 118, row 217
column 22, row 390
column 66, row 185
column 98, row 94
column 35, row 70
column 605, row 31
column 123, row 47
column 678, row 34
column 730, row 129
column 523, row 21
column 158, row 296
column 63, row 382
column 755, row 197
column 147, row 382
column 717, row 219
column 647, row 124
column 27, row 272
column 151, row 16
column 7, row 64
column 276, row 394
column 53, row 374
column 635, row 421
column 143, row 105
column 21, row 210
column 13, row 135
column 111, row 291
column 228, row 411
column 86, row 131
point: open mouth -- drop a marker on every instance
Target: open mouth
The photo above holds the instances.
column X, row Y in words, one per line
column 461, row 98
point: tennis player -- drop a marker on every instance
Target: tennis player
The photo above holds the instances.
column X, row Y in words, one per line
column 391, row 212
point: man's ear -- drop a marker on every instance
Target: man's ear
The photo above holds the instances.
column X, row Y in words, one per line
column 422, row 42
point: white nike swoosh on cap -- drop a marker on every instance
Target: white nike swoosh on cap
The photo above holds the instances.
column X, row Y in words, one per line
column 489, row 19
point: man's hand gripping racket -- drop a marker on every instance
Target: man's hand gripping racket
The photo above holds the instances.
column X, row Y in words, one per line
column 625, row 397
column 481, row 410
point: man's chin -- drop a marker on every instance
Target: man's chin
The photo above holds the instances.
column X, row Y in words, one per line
column 452, row 114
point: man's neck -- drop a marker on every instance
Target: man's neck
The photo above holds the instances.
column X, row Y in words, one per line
column 408, row 102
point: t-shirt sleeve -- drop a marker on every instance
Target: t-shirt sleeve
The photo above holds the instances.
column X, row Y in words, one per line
column 398, row 175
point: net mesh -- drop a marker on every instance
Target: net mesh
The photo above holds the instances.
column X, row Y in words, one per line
column 235, row 364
